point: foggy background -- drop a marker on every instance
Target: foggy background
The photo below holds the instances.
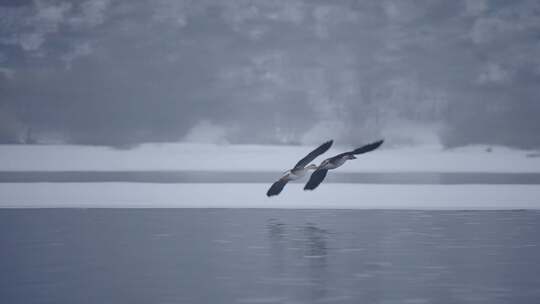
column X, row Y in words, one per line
column 272, row 72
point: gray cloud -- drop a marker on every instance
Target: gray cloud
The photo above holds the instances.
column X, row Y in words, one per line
column 123, row 72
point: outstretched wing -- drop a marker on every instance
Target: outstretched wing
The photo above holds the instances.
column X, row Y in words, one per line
column 313, row 154
column 368, row 148
column 316, row 179
column 276, row 188
column 363, row 149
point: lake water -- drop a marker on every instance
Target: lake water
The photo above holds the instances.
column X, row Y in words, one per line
column 268, row 256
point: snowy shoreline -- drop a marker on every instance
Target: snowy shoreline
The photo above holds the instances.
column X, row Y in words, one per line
column 254, row 160
column 328, row 196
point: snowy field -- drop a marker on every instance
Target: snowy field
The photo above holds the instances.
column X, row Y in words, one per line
column 187, row 156
column 237, row 195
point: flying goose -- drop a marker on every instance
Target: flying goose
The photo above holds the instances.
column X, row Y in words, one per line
column 299, row 170
column 337, row 161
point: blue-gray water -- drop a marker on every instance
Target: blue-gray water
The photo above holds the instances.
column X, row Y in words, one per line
column 268, row 256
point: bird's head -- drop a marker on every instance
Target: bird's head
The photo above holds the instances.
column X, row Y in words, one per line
column 312, row 167
column 351, row 156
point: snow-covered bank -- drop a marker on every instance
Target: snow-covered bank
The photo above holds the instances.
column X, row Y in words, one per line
column 328, row 196
column 184, row 156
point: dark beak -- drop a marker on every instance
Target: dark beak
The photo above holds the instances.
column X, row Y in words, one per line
column 353, row 157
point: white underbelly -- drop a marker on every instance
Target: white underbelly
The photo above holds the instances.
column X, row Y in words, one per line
column 334, row 165
column 296, row 175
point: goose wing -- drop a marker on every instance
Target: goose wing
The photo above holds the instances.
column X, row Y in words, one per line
column 364, row 149
column 315, row 179
column 313, row 154
column 276, row 187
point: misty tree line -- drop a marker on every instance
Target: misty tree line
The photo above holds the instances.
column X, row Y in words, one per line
column 260, row 110
column 270, row 72
column 282, row 117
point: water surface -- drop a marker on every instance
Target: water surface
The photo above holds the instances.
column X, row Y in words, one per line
column 268, row 256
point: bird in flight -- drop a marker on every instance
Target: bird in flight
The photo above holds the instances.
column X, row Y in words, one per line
column 299, row 170
column 337, row 161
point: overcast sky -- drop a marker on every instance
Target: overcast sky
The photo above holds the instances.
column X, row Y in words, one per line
column 291, row 71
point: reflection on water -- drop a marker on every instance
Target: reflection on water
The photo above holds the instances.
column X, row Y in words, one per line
column 308, row 246
column 315, row 242
column 269, row 256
